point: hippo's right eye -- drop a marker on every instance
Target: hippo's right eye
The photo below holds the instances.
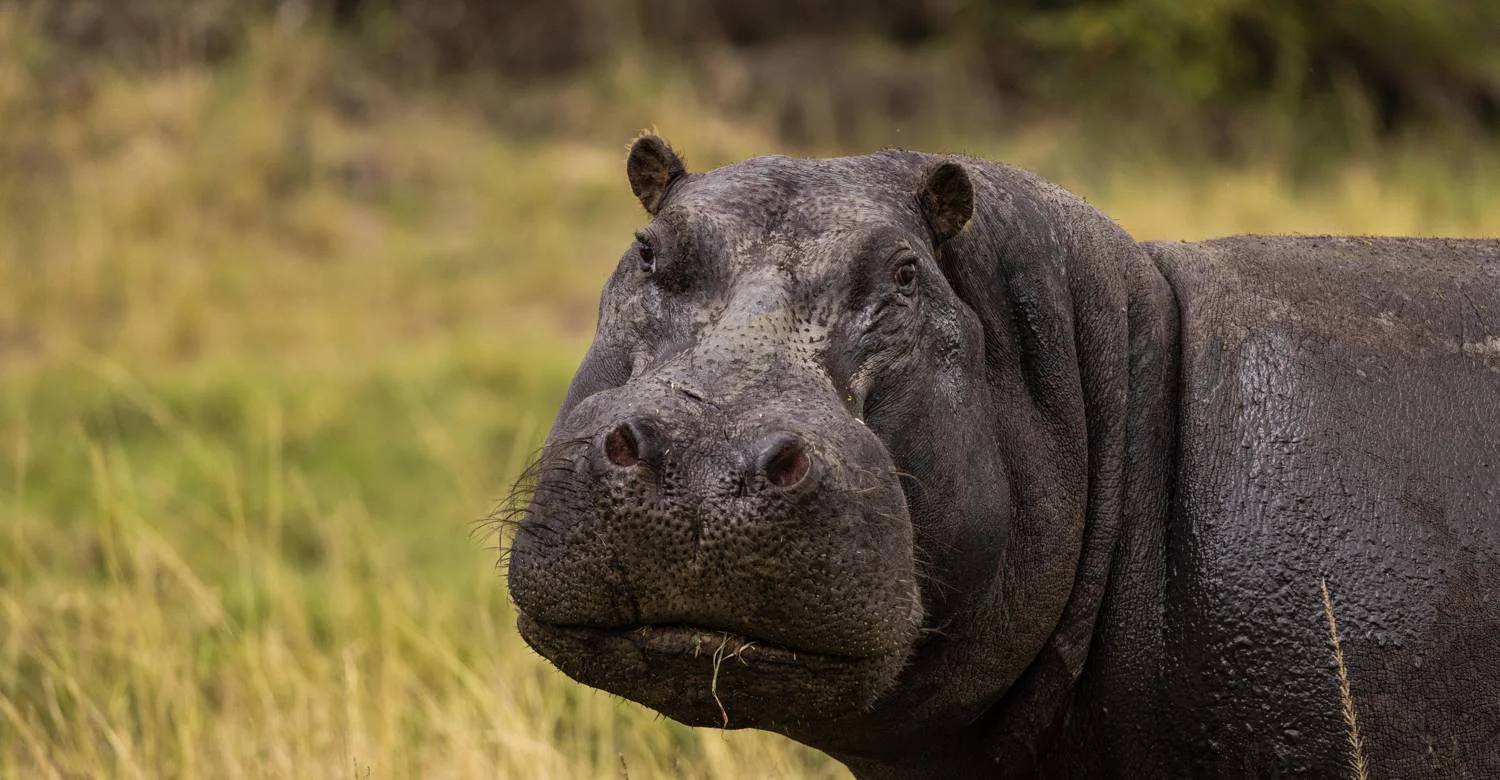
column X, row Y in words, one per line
column 646, row 254
column 905, row 276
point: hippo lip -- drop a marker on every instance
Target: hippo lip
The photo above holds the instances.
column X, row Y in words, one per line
column 687, row 640
column 713, row 677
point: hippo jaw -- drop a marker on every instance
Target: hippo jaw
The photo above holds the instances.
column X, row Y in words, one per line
column 702, row 675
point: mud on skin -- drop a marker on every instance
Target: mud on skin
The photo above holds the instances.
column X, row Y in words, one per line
column 924, row 462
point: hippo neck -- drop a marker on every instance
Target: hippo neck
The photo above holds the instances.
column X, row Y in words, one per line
column 1092, row 692
column 1099, row 652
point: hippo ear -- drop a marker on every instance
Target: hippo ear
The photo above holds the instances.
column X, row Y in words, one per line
column 947, row 200
column 652, row 167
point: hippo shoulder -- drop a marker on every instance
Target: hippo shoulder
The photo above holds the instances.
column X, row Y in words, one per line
column 1337, row 409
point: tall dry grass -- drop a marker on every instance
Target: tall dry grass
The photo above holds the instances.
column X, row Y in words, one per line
column 275, row 336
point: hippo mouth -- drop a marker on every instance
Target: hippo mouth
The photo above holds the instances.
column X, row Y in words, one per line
column 688, row 640
column 705, row 676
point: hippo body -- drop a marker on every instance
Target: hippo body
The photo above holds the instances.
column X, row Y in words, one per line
column 924, row 462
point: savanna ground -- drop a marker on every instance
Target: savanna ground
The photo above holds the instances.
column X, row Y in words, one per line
column 275, row 339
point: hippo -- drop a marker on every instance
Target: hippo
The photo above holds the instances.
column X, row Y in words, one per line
column 924, row 462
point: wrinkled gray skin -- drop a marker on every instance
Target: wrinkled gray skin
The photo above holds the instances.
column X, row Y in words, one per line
column 924, row 462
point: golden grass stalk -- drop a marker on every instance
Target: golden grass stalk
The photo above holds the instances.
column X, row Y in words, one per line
column 1357, row 767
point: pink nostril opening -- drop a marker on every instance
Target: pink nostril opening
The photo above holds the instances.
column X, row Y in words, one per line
column 788, row 463
column 621, row 447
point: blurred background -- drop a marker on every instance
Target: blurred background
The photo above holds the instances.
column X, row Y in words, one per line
column 290, row 290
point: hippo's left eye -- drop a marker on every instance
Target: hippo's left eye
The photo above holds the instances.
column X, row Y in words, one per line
column 905, row 276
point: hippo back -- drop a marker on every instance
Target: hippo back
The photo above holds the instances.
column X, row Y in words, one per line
column 1339, row 464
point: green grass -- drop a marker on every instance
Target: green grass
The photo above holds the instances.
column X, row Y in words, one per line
column 275, row 338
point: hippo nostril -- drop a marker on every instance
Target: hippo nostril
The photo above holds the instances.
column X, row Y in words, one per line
column 785, row 461
column 622, row 446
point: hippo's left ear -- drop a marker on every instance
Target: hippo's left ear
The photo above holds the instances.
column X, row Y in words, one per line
column 653, row 167
column 947, row 200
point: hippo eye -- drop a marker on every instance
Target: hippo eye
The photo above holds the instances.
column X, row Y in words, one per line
column 905, row 276
column 646, row 253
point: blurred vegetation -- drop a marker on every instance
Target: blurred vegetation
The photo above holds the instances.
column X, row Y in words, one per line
column 1229, row 76
column 289, row 293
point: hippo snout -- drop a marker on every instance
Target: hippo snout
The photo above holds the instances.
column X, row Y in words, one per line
column 662, row 525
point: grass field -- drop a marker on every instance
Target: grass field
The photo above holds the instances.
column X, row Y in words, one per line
column 274, row 339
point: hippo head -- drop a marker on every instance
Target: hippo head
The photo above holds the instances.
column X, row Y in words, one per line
column 778, row 474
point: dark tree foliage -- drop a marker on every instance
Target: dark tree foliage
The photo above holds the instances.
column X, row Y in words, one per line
column 1408, row 59
column 1402, row 62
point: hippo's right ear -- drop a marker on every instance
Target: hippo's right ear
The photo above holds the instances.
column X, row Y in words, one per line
column 653, row 168
column 947, row 200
